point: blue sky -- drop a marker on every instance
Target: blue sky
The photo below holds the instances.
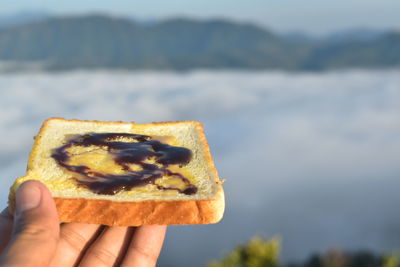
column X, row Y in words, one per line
column 316, row 16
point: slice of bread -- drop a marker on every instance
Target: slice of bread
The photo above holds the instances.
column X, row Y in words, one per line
column 93, row 180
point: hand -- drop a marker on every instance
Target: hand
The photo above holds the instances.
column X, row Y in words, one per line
column 34, row 237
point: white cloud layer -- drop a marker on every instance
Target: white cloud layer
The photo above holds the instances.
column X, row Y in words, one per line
column 313, row 157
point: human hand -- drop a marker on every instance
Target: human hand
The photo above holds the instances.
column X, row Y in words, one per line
column 35, row 238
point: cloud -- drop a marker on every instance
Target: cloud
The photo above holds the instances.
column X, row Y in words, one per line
column 310, row 156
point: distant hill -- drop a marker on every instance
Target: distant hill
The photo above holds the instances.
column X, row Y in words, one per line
column 355, row 35
column 377, row 53
column 299, row 37
column 99, row 41
column 22, row 17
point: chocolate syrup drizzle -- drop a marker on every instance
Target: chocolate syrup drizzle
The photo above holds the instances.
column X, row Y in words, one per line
column 125, row 153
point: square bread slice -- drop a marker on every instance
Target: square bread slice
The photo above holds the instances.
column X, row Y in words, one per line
column 126, row 174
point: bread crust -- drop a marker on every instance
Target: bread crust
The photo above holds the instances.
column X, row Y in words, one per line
column 135, row 213
column 115, row 213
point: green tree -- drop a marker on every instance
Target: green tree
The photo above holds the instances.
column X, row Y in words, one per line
column 391, row 260
column 257, row 252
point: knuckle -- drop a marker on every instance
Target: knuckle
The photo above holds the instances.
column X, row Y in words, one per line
column 103, row 256
column 75, row 240
column 145, row 253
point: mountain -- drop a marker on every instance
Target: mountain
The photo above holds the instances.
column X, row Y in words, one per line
column 376, row 53
column 99, row 41
column 299, row 37
column 338, row 37
column 102, row 41
column 355, row 35
column 22, row 17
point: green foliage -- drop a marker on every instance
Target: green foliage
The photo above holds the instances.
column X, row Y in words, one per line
column 256, row 253
column 339, row 258
column 391, row 260
column 265, row 253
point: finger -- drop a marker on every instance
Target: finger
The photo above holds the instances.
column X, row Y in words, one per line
column 36, row 227
column 109, row 248
column 145, row 246
column 75, row 238
column 6, row 222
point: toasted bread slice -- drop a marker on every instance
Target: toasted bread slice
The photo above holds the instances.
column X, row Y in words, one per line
column 90, row 170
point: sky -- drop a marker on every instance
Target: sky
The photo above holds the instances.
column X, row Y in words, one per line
column 313, row 16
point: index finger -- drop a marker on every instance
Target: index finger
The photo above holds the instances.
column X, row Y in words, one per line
column 145, row 246
column 6, row 223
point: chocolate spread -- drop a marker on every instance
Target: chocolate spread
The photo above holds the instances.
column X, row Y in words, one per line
column 140, row 149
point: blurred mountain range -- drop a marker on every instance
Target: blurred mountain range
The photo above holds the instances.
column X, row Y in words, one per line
column 27, row 16
column 101, row 41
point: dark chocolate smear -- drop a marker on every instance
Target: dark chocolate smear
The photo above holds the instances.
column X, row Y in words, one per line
column 141, row 148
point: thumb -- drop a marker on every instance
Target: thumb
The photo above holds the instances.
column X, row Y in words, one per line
column 36, row 227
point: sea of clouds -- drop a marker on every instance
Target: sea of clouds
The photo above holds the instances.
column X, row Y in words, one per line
column 311, row 157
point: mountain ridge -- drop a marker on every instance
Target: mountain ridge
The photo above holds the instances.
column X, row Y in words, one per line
column 103, row 41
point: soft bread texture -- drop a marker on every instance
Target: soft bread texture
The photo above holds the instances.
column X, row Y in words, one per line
column 140, row 205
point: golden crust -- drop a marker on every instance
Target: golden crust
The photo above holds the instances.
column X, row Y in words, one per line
column 114, row 213
column 135, row 213
column 117, row 213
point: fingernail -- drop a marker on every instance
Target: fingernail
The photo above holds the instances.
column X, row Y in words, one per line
column 28, row 197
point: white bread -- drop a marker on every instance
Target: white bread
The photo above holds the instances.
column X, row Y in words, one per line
column 139, row 205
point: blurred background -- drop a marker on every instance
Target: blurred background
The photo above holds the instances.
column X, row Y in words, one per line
column 300, row 101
